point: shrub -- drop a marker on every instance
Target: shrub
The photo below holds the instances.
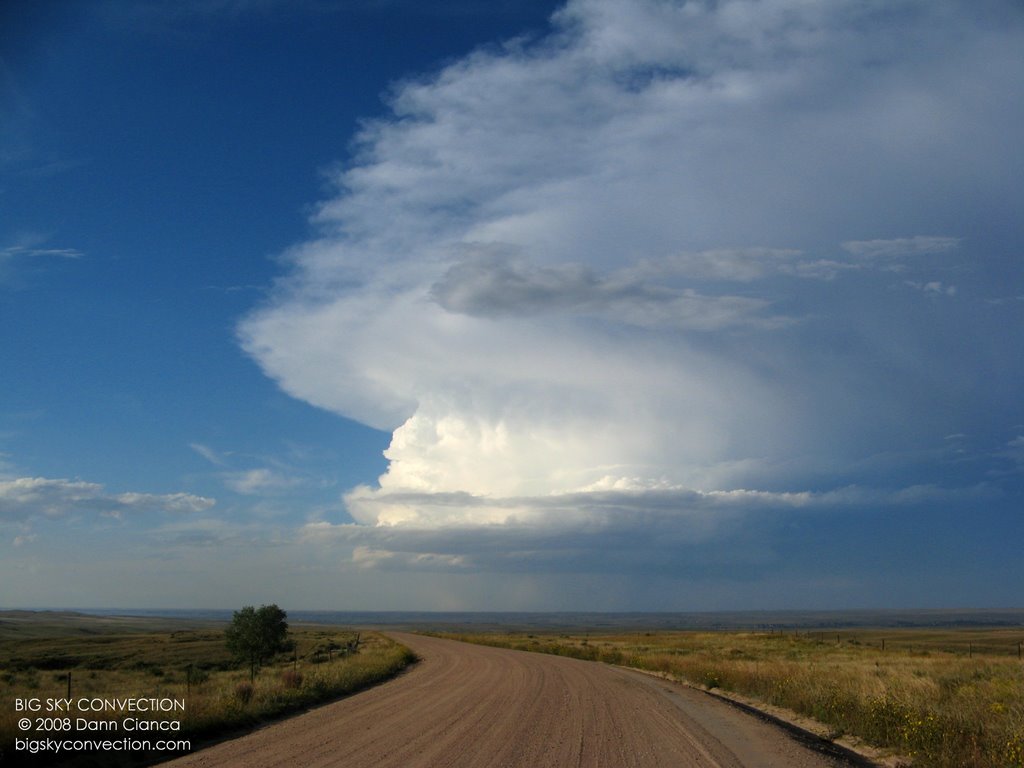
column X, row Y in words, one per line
column 710, row 678
column 243, row 693
column 291, row 678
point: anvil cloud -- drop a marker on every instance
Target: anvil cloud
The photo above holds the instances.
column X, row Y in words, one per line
column 670, row 250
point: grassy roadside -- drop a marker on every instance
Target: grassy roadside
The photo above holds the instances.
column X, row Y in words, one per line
column 189, row 665
column 949, row 699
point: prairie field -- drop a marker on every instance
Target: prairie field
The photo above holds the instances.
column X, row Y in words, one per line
column 139, row 658
column 942, row 698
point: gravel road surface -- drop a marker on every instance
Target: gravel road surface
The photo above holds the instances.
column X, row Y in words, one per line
column 471, row 706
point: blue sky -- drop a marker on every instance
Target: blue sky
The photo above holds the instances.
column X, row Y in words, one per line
column 520, row 305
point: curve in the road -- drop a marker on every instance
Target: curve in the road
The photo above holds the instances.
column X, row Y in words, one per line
column 472, row 706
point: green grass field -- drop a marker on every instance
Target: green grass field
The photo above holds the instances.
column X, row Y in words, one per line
column 945, row 698
column 155, row 658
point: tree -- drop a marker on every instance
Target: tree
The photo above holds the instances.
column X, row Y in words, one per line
column 257, row 634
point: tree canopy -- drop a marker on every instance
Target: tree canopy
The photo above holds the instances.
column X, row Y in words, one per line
column 255, row 634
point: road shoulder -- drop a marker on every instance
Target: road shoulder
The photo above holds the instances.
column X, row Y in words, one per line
column 810, row 732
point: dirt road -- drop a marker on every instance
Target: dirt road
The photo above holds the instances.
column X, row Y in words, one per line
column 471, row 706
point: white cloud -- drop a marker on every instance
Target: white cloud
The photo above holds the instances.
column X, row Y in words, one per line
column 635, row 530
column 933, row 287
column 1013, row 453
column 615, row 503
column 904, row 246
column 26, row 498
column 209, row 454
column 736, row 264
column 280, row 477
column 999, row 301
column 26, row 255
column 367, row 557
column 607, row 259
column 176, row 535
column 21, row 251
column 259, row 481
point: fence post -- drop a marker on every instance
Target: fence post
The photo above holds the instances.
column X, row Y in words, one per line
column 69, row 685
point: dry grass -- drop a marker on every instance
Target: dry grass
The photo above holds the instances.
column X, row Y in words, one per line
column 948, row 699
column 190, row 665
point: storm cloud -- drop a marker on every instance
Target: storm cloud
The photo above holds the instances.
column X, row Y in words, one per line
column 671, row 264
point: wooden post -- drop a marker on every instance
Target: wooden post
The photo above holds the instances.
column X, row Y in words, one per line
column 69, row 685
column 883, row 643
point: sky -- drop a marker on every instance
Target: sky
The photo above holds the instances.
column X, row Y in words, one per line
column 521, row 305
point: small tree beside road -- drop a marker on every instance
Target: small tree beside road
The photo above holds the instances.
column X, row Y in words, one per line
column 256, row 634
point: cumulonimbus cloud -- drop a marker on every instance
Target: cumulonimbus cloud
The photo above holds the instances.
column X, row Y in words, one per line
column 641, row 253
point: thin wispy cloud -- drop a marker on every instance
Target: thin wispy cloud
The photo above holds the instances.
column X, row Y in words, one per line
column 901, row 246
column 271, row 476
column 209, row 454
column 260, row 481
column 21, row 251
column 933, row 287
column 27, row 257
